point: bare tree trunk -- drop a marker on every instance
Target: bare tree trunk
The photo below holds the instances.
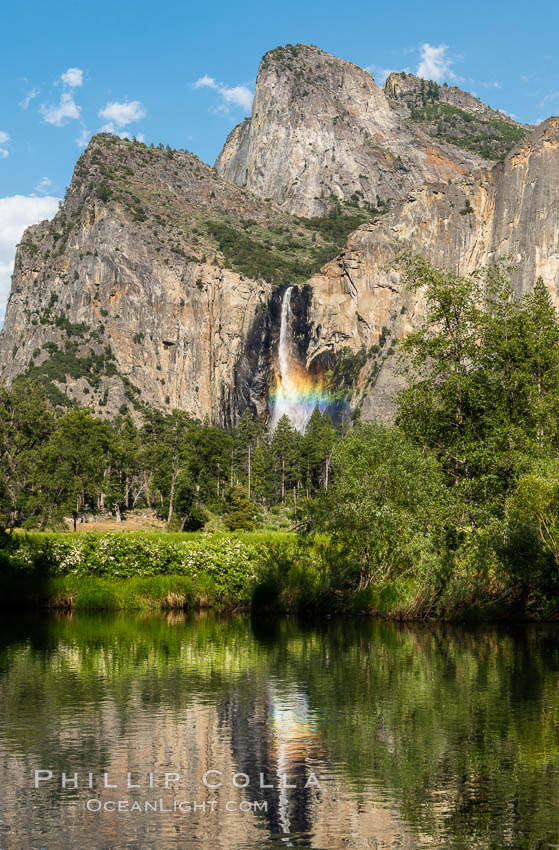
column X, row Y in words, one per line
column 172, row 496
column 146, row 482
column 249, row 459
column 136, row 496
column 327, row 471
column 117, row 512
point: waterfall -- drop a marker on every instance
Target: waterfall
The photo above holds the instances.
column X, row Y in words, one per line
column 296, row 394
column 283, row 350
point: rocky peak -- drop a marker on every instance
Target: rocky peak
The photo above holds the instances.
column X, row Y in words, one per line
column 448, row 113
column 321, row 128
column 160, row 281
column 151, row 284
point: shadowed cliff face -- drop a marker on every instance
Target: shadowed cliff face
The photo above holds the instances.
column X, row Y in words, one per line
column 321, row 127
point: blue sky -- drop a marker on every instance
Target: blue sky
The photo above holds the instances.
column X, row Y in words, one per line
column 70, row 68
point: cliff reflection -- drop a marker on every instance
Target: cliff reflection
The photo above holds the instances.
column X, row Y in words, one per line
column 362, row 734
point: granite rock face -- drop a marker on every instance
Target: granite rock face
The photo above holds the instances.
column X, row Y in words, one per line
column 321, row 127
column 122, row 298
column 413, row 91
column 455, row 116
column 509, row 212
column 160, row 281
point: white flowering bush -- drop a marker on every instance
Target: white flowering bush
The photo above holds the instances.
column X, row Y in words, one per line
column 230, row 563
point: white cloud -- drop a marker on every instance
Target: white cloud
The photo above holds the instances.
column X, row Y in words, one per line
column 231, row 95
column 28, row 98
column 73, row 78
column 491, row 85
column 238, row 96
column 67, row 108
column 549, row 98
column 83, row 138
column 435, row 64
column 16, row 213
column 4, row 139
column 121, row 114
column 205, row 82
column 57, row 115
column 43, row 186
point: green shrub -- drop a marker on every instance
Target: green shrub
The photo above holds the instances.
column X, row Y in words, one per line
column 229, row 564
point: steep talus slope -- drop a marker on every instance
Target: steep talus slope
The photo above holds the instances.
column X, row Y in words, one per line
column 149, row 284
column 449, row 114
column 321, row 127
column 508, row 212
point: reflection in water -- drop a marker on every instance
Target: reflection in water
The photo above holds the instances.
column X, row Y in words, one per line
column 362, row 734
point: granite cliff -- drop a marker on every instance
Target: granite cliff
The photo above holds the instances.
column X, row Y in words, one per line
column 160, row 279
column 508, row 212
column 455, row 116
column 154, row 283
column 321, row 127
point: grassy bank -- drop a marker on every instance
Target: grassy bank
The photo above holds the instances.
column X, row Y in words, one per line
column 131, row 571
column 268, row 573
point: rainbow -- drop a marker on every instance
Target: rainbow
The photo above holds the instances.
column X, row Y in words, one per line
column 296, row 396
column 295, row 392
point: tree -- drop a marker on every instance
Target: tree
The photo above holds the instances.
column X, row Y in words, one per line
column 130, row 468
column 206, row 455
column 532, row 513
column 26, row 422
column 484, row 372
column 247, row 437
column 385, row 503
column 260, row 475
column 166, row 437
column 284, row 449
column 74, row 470
column 239, row 511
column 316, row 451
column 192, row 516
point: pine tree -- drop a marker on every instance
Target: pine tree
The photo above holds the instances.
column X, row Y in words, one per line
column 247, row 436
column 284, row 450
column 316, row 451
column 239, row 511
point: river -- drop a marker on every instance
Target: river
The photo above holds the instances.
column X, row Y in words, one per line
column 195, row 731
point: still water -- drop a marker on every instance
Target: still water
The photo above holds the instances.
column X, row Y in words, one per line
column 346, row 734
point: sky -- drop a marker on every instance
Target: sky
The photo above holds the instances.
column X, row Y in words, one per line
column 183, row 73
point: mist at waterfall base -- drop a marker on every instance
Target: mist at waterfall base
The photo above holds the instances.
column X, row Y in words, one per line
column 297, row 391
